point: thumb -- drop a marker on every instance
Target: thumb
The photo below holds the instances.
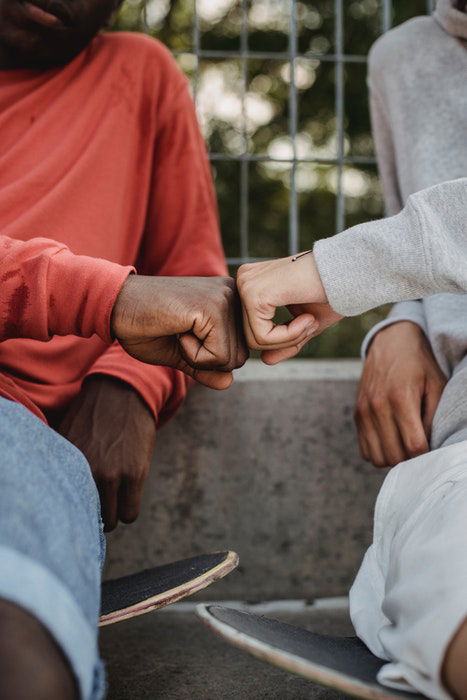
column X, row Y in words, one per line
column 211, row 378
column 273, row 357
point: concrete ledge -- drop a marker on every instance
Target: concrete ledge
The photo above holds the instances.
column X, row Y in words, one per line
column 271, row 469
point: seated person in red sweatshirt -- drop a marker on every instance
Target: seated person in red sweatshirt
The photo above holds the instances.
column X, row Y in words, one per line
column 102, row 171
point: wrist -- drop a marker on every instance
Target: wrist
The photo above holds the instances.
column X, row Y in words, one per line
column 400, row 328
column 302, row 282
column 400, row 333
column 120, row 308
column 117, row 393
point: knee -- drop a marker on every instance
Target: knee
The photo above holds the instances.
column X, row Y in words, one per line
column 454, row 670
column 31, row 663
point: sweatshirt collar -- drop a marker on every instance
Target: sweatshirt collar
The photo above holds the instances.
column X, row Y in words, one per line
column 453, row 21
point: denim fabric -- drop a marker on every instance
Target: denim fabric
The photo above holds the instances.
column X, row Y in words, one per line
column 52, row 546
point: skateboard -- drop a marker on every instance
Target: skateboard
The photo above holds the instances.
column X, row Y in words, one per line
column 137, row 594
column 344, row 664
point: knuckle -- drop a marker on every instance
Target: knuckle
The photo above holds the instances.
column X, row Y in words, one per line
column 399, row 396
column 253, row 342
column 378, row 402
column 361, row 410
column 392, row 462
column 245, row 288
column 222, row 359
column 128, row 518
column 109, row 479
column 241, row 272
column 416, row 447
column 244, row 355
column 224, row 303
column 229, row 283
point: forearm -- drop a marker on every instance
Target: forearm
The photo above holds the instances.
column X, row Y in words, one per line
column 419, row 252
column 162, row 388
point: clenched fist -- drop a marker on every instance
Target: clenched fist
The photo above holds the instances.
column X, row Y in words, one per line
column 190, row 323
column 293, row 282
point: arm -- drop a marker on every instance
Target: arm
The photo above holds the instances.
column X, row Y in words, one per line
column 124, row 397
column 190, row 324
column 401, row 383
column 387, row 168
column 416, row 253
column 419, row 252
column 45, row 290
column 181, row 238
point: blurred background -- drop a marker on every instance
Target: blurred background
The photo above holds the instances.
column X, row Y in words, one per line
column 280, row 90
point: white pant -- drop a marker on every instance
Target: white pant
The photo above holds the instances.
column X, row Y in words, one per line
column 410, row 595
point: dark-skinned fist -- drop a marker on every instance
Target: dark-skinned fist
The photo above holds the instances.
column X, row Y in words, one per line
column 193, row 324
column 114, row 428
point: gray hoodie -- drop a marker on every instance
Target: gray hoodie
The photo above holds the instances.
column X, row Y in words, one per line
column 418, row 96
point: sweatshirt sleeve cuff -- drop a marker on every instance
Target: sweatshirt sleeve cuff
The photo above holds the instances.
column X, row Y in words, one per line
column 375, row 263
column 403, row 311
column 82, row 293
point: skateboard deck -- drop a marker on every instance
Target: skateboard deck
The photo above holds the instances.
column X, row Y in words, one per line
column 140, row 593
column 342, row 663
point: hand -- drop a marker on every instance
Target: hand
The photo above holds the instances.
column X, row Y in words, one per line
column 190, row 323
column 112, row 425
column 297, row 285
column 399, row 392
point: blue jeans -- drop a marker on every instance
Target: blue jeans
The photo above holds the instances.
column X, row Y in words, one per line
column 52, row 545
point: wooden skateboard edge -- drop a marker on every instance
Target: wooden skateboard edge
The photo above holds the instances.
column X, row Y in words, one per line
column 289, row 662
column 165, row 598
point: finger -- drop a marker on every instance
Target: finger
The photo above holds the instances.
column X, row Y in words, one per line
column 273, row 357
column 108, row 492
column 213, row 379
column 364, row 449
column 375, row 451
column 262, row 334
column 363, row 444
column 431, row 400
column 129, row 499
column 361, row 418
column 308, row 333
column 409, row 421
column 389, row 437
column 208, row 353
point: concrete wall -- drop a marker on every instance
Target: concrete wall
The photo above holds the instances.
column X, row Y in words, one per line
column 269, row 468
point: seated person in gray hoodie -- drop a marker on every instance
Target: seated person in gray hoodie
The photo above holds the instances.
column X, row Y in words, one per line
column 408, row 602
column 417, row 70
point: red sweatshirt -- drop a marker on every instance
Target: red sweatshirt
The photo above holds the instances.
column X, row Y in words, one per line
column 102, row 167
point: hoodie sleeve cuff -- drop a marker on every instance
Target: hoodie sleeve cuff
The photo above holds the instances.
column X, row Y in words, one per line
column 375, row 263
